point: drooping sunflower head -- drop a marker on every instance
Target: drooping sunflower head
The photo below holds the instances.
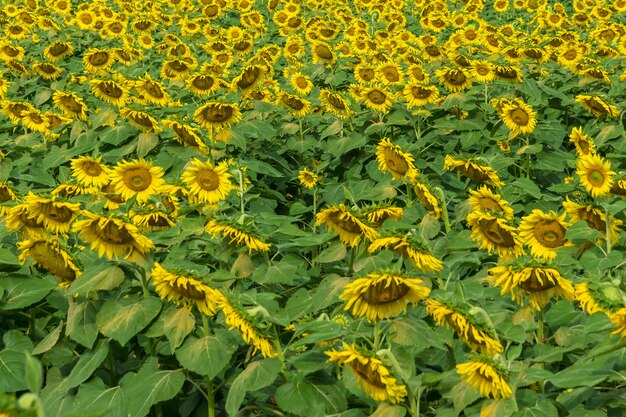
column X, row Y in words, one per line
column 410, row 247
column 56, row 216
column 595, row 175
column 323, row 53
column 377, row 214
column 427, row 197
column 370, row 372
column 137, row 178
column 249, row 78
column 47, row 254
column 96, row 60
column 297, row 106
column 58, row 50
column 486, row 200
column 593, row 215
column 150, row 219
column 186, row 135
column 597, row 106
column 206, row 183
column 598, row 297
column 142, row 120
column 335, row 104
column 70, row 104
column 184, row 289
column 391, row 158
column 495, row 234
column 583, row 143
column 216, row 115
column 6, row 195
column 454, row 79
column 110, row 92
column 473, row 170
column 237, row 233
column 485, row 377
column 350, row 227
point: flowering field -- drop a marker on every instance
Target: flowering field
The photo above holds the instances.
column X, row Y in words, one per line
column 312, row 208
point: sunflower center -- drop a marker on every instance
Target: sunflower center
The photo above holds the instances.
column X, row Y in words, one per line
column 217, row 114
column 11, row 51
column 178, row 66
column 507, row 73
column 538, row 280
column 249, row 77
column 456, row 77
column 203, row 82
column 432, row 50
column 59, row 214
column 52, row 261
column 71, row 104
column 301, row 82
column 486, row 203
column 396, row 163
column 421, row 93
column 367, row 74
column 596, row 177
column 114, row 234
column 116, row 27
column 391, row 74
column 385, row 292
column 16, row 30
column 336, row 102
column 208, row 179
column 376, row 97
column 137, row 179
column 153, row 89
column 292, row 102
column 241, row 45
column 108, row 88
column 30, row 221
column 482, row 70
column 519, row 116
column 99, row 58
column 5, row 195
column 367, row 374
column 496, row 233
column 184, row 134
column 549, row 233
column 323, row 52
column 142, row 120
column 58, row 49
column 188, row 290
column 92, row 168
column 48, row 68
column 594, row 220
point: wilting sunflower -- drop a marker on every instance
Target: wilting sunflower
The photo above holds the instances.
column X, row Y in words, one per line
column 473, row 170
column 90, row 172
column 335, row 104
column 47, row 70
column 96, row 60
column 215, row 115
column 495, row 234
column 410, row 248
column 177, row 69
column 72, row 189
column 595, row 297
column 583, row 143
column 593, row 215
column 184, row 290
column 6, row 194
column 249, row 78
column 307, row 178
column 595, row 175
column 381, row 295
column 348, row 225
column 240, row 234
column 519, row 117
column 370, row 372
column 475, row 335
column 70, row 104
column 539, row 283
column 137, row 178
column 454, row 79
column 509, row 73
column 56, row 216
column 485, row 200
column 47, row 254
column 377, row 214
column 426, row 196
column 110, row 92
column 597, row 106
column 152, row 91
column 237, row 318
column 619, row 188
column 58, row 50
column 113, row 237
column 543, row 233
column 322, row 52
column 20, row 218
column 391, row 158
column 150, row 219
column 297, row 106
column 141, row 120
column 417, row 94
column 485, row 378
column 206, row 183
column 377, row 98
column 186, row 135
column 34, row 121
column 15, row 110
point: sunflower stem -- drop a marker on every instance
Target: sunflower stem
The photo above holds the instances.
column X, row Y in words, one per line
column 301, row 132
column 607, row 224
column 351, row 261
column 376, row 336
column 444, row 209
column 205, row 325
column 540, row 327
column 409, row 195
column 314, row 225
column 241, row 192
column 210, row 397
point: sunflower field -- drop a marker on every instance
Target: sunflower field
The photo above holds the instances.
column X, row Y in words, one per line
column 312, row 208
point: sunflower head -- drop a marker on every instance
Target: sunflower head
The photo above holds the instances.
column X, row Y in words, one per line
column 595, row 175
column 391, row 158
column 484, row 376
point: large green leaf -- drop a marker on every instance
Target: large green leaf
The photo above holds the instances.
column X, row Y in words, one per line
column 96, row 278
column 177, row 325
column 49, row 341
column 257, row 375
column 86, row 366
column 215, row 352
column 12, row 371
column 24, row 292
column 81, row 322
column 122, row 322
column 96, row 397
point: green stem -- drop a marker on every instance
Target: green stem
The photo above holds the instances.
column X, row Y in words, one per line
column 409, row 194
column 540, row 327
column 607, row 223
column 111, row 370
column 444, row 209
column 241, row 192
column 376, row 336
column 314, row 226
column 301, row 132
column 352, row 257
column 210, row 397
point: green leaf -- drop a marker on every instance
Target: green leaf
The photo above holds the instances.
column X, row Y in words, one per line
column 328, row 291
column 582, row 375
column 332, row 129
column 34, row 373
column 414, row 332
column 96, row 397
column 81, row 323
column 528, row 187
column 121, row 322
column 146, row 141
column 177, row 325
column 8, row 261
column 96, row 278
column 150, row 386
column 335, row 252
column 214, row 351
column 542, row 409
column 49, row 341
column 24, row 292
column 86, row 366
column 117, row 135
column 256, row 376
column 279, row 273
column 580, row 232
column 12, row 371
column 388, row 410
column 341, row 145
column 299, row 399
column 463, row 395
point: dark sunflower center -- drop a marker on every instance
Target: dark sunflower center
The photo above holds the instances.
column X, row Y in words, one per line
column 486, row 203
column 596, row 177
column 16, row 30
column 519, row 116
column 301, row 82
column 48, row 68
column 506, row 73
column 30, row 221
column 549, row 233
column 184, row 134
column 367, row 74
column 11, row 51
column 241, row 45
column 178, row 66
column 367, row 374
column 5, row 195
column 385, row 292
column 432, row 50
column 203, row 82
column 595, row 105
column 137, row 179
column 153, row 89
column 482, row 70
column 217, row 114
column 113, row 234
column 188, row 290
column 537, row 281
column 249, row 77
column 376, row 97
column 211, row 11
column 86, row 18
column 496, row 233
column 570, row 55
column 323, row 52
column 292, row 102
column 208, row 180
column 58, row 49
column 336, row 102
column 35, row 117
column 98, row 59
column 55, row 212
column 421, row 93
column 455, row 77
column 52, row 261
column 108, row 88
column 116, row 27
column 71, row 104
column 92, row 168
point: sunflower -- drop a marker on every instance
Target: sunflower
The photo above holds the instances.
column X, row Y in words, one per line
column 619, row 188
column 377, row 98
column 137, row 178
column 390, row 73
column 475, row 335
column 48, row 71
column 90, row 172
column 583, row 143
column 593, row 215
column 186, row 135
column 150, row 219
column 142, row 120
column 495, row 234
column 307, row 178
column 543, row 233
column 509, row 73
column 501, row 6
column 619, row 320
column 595, row 297
column 484, row 377
column 33, row 120
column 370, row 372
column 249, row 78
column 47, row 254
column 241, row 234
column 300, row 83
column 58, row 50
column 16, row 110
column 381, row 295
column 6, row 194
column 113, row 237
column 72, row 189
column 20, row 218
column 348, row 225
column 238, row 319
column 322, row 53
column 56, row 216
column 519, row 118
column 391, row 158
column 95, row 60
column 377, row 214
column 297, row 106
column 203, row 85
column 184, row 290
column 176, row 69
column 206, row 183
column 4, row 86
column 335, row 104
column 485, row 200
column 70, row 104
column 216, row 115
column 454, row 80
column 112, row 200
column 597, row 106
column 110, row 92
column 410, row 248
column 425, row 195
column 473, row 170
column 538, row 283
column 417, row 95
column 595, row 175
